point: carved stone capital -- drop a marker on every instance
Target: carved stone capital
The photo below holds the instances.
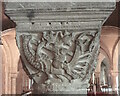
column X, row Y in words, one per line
column 59, row 42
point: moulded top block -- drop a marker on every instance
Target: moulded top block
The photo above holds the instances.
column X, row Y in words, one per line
column 34, row 14
column 60, row 1
column 58, row 5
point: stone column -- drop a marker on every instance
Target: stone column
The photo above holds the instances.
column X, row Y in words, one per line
column 1, row 87
column 114, row 82
column 119, row 64
column 97, row 76
column 59, row 42
column 13, row 83
column 1, row 68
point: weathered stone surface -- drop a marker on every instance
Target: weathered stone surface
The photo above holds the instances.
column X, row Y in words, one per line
column 59, row 42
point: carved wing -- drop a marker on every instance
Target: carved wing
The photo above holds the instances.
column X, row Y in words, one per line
column 61, row 55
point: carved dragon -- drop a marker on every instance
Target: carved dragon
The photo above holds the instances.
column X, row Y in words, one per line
column 61, row 56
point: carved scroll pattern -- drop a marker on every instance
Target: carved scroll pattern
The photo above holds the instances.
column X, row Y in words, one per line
column 61, row 56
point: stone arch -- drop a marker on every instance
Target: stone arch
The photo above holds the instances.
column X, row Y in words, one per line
column 102, row 56
column 110, row 40
column 6, row 62
column 10, row 57
column 105, row 52
column 113, row 39
column 105, row 65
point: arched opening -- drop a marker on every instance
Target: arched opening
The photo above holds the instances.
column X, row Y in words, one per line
column 101, row 80
column 105, row 76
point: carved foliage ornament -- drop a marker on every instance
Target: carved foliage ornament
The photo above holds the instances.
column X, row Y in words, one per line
column 61, row 56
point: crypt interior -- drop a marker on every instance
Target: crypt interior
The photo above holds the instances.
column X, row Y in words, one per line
column 105, row 78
